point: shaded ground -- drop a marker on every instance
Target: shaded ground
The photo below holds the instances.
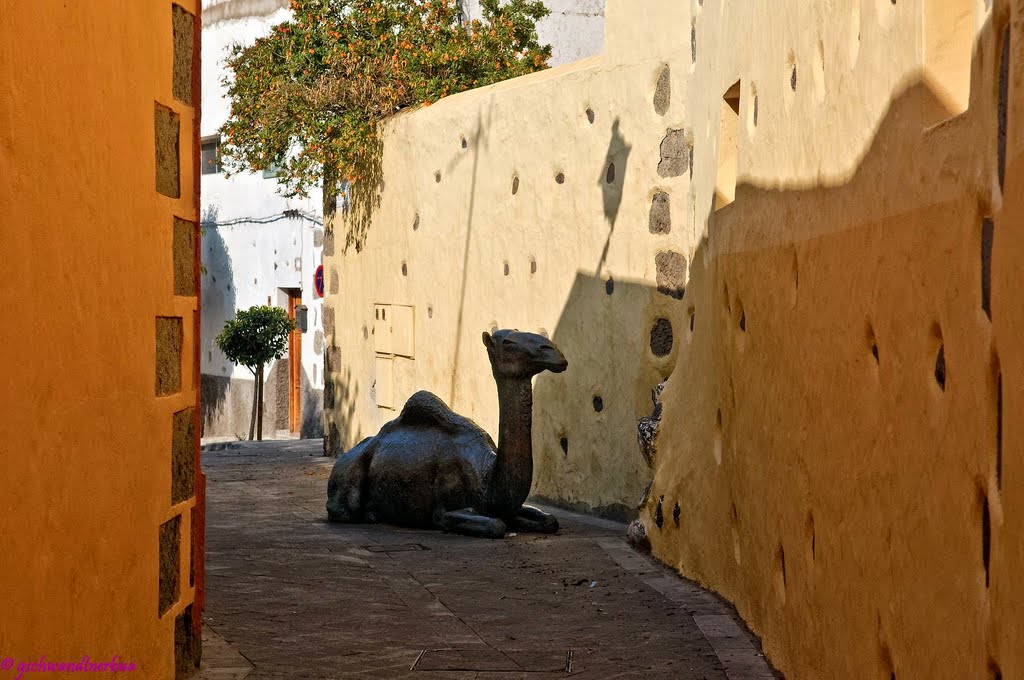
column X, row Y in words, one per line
column 290, row 595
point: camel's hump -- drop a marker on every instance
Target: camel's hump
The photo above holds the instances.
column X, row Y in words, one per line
column 427, row 409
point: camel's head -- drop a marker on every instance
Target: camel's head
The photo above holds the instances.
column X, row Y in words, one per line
column 515, row 354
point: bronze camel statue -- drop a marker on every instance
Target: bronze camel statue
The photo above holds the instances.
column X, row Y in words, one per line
column 431, row 467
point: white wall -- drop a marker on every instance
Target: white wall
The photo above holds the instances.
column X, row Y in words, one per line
column 574, row 29
column 250, row 251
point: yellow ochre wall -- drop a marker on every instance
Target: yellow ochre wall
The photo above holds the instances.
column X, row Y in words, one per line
column 91, row 258
column 864, row 519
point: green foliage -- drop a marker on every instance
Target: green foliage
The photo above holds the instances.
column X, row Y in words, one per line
column 256, row 336
column 309, row 96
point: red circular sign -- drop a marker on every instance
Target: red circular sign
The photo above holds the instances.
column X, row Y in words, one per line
column 318, row 281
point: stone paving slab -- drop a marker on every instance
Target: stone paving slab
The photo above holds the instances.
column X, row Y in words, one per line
column 290, row 595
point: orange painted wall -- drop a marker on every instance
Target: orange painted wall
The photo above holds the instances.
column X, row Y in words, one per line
column 87, row 267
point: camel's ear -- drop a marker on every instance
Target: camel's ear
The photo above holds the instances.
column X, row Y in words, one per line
column 488, row 340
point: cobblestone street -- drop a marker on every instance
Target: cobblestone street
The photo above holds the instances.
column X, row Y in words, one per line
column 290, row 595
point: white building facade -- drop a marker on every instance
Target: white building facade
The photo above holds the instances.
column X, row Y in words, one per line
column 258, row 248
column 574, row 29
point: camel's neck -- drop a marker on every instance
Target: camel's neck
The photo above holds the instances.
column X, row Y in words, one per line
column 513, row 470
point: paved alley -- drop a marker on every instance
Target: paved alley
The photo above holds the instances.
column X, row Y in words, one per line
column 292, row 596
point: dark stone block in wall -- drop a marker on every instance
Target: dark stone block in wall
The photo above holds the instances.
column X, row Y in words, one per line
column 328, row 250
column 278, row 397
column 675, row 154
column 328, row 393
column 168, row 355
column 671, row 274
column 183, row 456
column 663, row 91
column 188, row 645
column 647, row 426
column 329, row 323
column 184, row 246
column 661, row 338
column 184, row 36
column 333, row 360
column 332, row 441
column 661, row 214
column 167, row 132
column 335, row 283
column 170, row 556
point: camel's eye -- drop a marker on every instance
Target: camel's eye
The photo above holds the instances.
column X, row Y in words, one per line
column 508, row 342
column 546, row 347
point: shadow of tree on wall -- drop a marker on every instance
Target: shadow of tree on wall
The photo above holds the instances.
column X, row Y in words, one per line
column 218, row 305
column 341, row 392
column 361, row 198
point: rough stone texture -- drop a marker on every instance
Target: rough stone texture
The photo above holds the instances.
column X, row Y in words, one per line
column 276, row 394
column 332, row 441
column 188, row 647
column 335, row 285
column 167, row 131
column 663, row 91
column 661, row 338
column 334, row 601
column 168, row 355
column 328, row 392
column 671, row 274
column 184, row 256
column 675, row 154
column 328, row 250
column 661, row 213
column 184, row 37
column 636, row 536
column 328, row 324
column 183, row 448
column 318, row 342
column 170, row 555
column 647, row 428
column 333, row 364
column 318, row 238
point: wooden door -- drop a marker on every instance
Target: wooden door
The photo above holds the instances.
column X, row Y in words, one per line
column 294, row 366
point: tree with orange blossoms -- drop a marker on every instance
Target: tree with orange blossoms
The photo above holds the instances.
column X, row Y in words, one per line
column 308, row 98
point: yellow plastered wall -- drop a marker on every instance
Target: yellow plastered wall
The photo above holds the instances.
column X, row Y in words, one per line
column 88, row 267
column 855, row 496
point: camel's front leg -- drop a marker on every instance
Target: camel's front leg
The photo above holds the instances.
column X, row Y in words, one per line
column 471, row 523
column 530, row 519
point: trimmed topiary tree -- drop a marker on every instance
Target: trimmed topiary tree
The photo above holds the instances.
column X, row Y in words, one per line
column 254, row 338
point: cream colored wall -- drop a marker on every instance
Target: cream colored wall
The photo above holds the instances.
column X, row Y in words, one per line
column 88, row 266
column 470, row 225
column 837, row 500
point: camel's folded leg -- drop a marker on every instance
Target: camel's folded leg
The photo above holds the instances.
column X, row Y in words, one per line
column 530, row 519
column 471, row 523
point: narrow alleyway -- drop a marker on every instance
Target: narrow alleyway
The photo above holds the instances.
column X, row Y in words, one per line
column 290, row 595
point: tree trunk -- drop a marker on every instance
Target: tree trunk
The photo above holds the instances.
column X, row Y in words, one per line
column 259, row 418
column 255, row 400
